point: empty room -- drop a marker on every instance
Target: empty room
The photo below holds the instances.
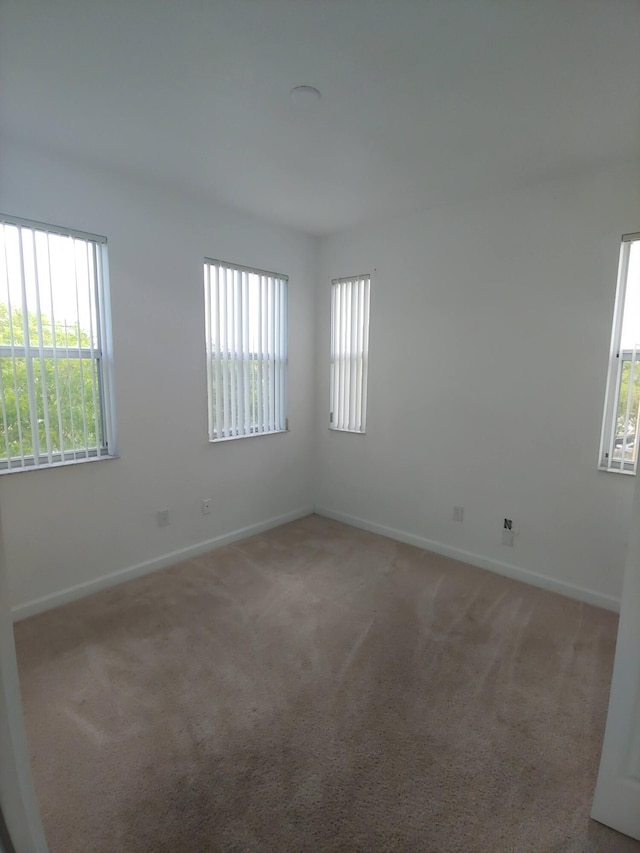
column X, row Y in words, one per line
column 319, row 398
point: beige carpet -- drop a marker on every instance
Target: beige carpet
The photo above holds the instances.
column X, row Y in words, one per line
column 318, row 688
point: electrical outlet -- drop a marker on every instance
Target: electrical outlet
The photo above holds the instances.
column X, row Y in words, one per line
column 206, row 506
column 458, row 513
column 508, row 532
column 163, row 517
column 507, row 538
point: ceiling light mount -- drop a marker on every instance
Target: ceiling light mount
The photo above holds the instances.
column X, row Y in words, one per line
column 305, row 94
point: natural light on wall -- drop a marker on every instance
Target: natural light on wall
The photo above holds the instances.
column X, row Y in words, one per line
column 246, row 337
column 349, row 353
column 55, row 399
column 619, row 444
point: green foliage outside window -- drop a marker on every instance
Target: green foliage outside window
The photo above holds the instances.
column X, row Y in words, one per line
column 66, row 390
column 632, row 426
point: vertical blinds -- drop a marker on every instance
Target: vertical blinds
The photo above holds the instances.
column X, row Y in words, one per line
column 246, row 330
column 349, row 353
column 52, row 394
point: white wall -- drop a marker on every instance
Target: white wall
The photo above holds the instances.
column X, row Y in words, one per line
column 490, row 327
column 70, row 526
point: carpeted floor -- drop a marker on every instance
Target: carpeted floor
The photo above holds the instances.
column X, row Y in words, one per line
column 319, row 688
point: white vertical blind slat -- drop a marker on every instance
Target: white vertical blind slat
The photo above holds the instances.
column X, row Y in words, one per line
column 43, row 371
column 5, row 430
column 29, row 363
column 78, row 345
column 346, row 325
column 92, row 267
column 336, row 354
column 284, row 356
column 10, row 309
column 235, row 355
column 276, row 355
column 347, row 355
column 68, row 357
column 627, row 413
column 353, row 357
column 233, row 352
column 267, row 354
column 365, row 352
column 224, row 343
column 239, row 352
column 611, row 463
column 209, row 296
column 260, row 377
column 219, row 398
column 358, row 355
column 346, row 328
column 251, row 344
column 272, row 363
column 233, row 298
column 337, row 359
column 103, row 339
column 341, row 349
column 246, row 353
column 240, row 348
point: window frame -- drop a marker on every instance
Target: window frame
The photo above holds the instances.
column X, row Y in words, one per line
column 617, row 359
column 340, row 421
column 101, row 354
column 278, row 418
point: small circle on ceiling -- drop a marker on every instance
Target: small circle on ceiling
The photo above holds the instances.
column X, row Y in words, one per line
column 305, row 94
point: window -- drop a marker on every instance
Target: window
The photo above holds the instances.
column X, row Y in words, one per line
column 55, row 395
column 349, row 353
column 246, row 328
column 619, row 445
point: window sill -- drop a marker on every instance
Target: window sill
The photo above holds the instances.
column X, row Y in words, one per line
column 250, row 435
column 608, row 470
column 66, row 464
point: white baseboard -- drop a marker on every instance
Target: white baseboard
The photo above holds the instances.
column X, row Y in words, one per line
column 599, row 599
column 55, row 599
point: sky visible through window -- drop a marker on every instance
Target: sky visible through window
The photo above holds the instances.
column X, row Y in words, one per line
column 53, row 274
column 631, row 322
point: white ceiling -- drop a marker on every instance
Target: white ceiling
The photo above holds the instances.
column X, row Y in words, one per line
column 425, row 102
